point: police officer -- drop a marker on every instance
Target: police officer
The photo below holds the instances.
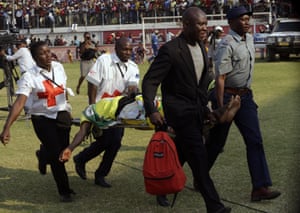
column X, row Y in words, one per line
column 234, row 65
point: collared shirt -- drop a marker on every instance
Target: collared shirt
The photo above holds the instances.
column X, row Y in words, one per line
column 24, row 58
column 235, row 57
column 46, row 97
column 110, row 78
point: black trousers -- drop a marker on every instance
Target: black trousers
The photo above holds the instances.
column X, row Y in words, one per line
column 54, row 140
column 110, row 143
column 191, row 149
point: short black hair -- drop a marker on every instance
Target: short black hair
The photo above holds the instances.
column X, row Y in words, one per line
column 34, row 48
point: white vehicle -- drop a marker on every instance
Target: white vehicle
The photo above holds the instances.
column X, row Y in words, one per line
column 284, row 39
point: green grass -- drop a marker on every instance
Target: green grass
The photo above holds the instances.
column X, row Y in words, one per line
column 276, row 90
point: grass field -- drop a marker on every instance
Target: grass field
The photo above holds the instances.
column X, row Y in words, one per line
column 276, row 89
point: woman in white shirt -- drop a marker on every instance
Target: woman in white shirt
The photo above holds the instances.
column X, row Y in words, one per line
column 45, row 84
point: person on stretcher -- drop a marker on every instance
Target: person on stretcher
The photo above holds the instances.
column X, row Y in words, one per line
column 129, row 111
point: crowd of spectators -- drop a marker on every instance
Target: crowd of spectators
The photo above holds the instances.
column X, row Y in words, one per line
column 73, row 13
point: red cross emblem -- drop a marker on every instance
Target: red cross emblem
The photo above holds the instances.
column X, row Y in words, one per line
column 115, row 93
column 50, row 93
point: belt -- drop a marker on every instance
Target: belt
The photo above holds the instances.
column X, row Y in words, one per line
column 37, row 116
column 237, row 91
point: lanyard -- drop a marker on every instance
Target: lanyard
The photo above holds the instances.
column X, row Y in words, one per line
column 52, row 80
column 121, row 69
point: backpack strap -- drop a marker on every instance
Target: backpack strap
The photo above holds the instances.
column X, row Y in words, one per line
column 174, row 199
column 164, row 128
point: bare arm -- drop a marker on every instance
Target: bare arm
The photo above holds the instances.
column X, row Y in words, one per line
column 79, row 137
column 12, row 116
column 92, row 91
column 220, row 83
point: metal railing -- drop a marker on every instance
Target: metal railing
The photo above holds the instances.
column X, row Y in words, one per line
column 105, row 18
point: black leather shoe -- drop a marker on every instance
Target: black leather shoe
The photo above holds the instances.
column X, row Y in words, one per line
column 42, row 166
column 101, row 182
column 264, row 193
column 224, row 210
column 72, row 192
column 80, row 168
column 66, row 198
column 162, row 200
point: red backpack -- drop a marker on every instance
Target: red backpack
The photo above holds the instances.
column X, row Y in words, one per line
column 162, row 171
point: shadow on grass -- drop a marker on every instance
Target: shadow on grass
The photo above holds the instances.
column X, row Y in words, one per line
column 22, row 189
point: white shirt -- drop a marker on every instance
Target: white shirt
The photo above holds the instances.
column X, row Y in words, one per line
column 110, row 80
column 24, row 58
column 169, row 36
column 47, row 98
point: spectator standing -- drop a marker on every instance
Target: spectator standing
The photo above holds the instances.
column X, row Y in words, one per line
column 57, row 41
column 62, row 40
column 84, row 13
column 181, row 70
column 109, row 77
column 48, row 41
column 154, row 44
column 44, row 110
column 262, row 29
column 87, row 51
column 50, row 21
column 214, row 39
column 234, row 70
column 77, row 44
column 173, row 7
column 140, row 53
column 32, row 16
column 169, row 36
column 19, row 17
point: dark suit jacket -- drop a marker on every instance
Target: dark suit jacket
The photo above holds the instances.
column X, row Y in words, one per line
column 183, row 98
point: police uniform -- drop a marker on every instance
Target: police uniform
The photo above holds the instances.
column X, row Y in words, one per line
column 235, row 58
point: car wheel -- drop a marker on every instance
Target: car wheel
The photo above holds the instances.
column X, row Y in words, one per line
column 284, row 56
column 270, row 54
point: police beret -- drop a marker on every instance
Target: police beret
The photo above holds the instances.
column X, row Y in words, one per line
column 237, row 11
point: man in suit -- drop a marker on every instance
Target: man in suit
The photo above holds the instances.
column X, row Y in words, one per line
column 181, row 68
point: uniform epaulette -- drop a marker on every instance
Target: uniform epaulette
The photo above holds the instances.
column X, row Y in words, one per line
column 226, row 40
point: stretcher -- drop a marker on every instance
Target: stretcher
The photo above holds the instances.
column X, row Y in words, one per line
column 123, row 123
column 120, row 111
column 125, row 111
